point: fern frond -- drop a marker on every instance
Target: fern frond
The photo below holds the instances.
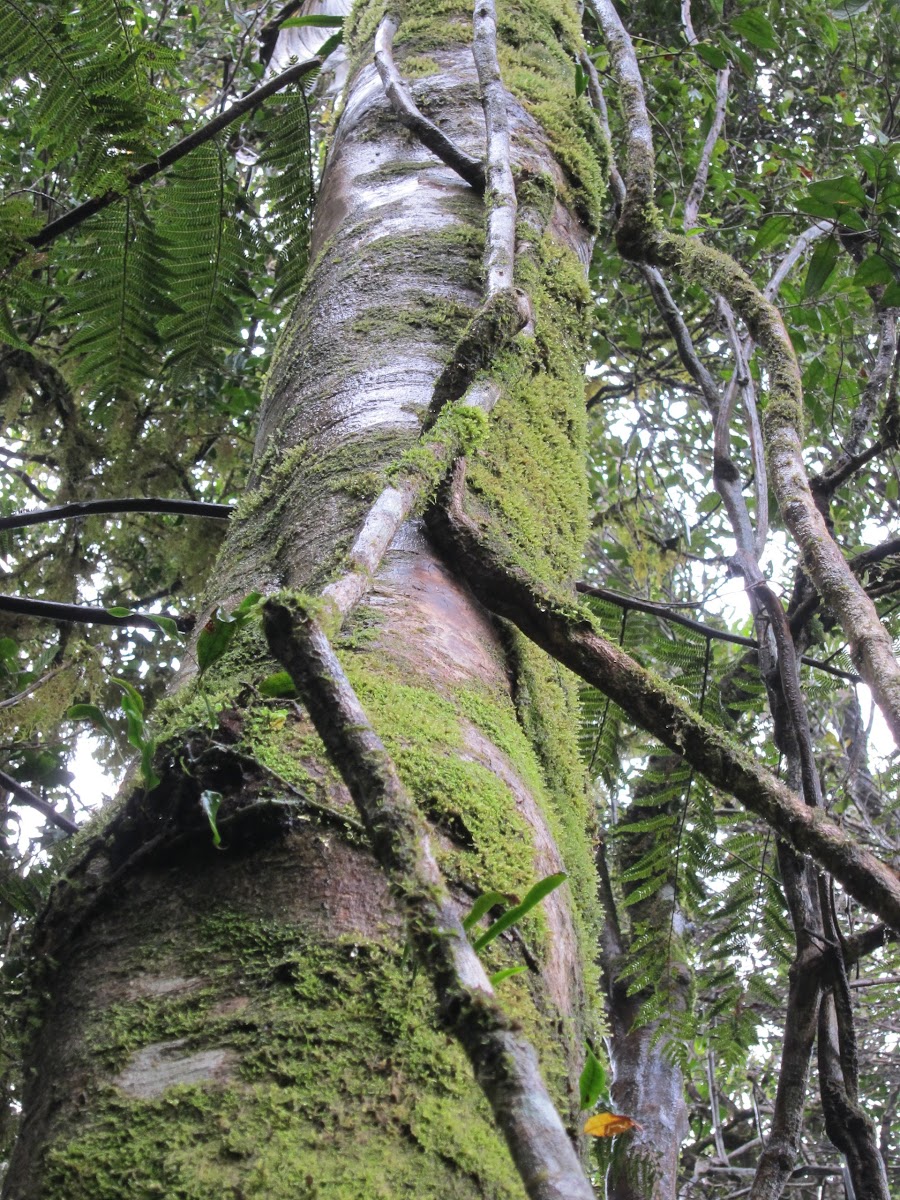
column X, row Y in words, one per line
column 288, row 188
column 206, row 250
column 116, row 300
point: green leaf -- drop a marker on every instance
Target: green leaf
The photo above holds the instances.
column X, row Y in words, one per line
column 209, row 802
column 581, row 80
column 166, row 624
column 873, row 270
column 891, row 297
column 513, row 915
column 488, row 901
column 279, row 684
column 842, row 191
column 821, row 267
column 133, row 707
column 772, row 230
column 90, row 712
column 592, row 1081
column 320, row 22
column 505, row 973
column 709, row 503
column 711, row 55
column 149, row 776
column 755, row 26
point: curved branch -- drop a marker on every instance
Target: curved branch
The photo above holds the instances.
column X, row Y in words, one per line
column 127, row 504
column 434, row 139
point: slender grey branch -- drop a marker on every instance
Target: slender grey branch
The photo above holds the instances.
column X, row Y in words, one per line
column 127, row 504
column 12, row 701
column 504, row 1064
column 84, row 614
column 744, row 380
column 175, row 153
column 698, row 187
column 633, row 603
column 434, row 139
column 797, row 250
column 864, row 413
column 501, row 192
column 27, row 796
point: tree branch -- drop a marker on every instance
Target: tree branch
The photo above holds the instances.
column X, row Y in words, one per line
column 174, row 154
column 633, row 603
column 84, row 614
column 568, row 633
column 27, row 796
column 128, row 504
column 505, row 1065
column 501, row 223
column 434, row 139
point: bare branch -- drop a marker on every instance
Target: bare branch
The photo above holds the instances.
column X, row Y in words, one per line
column 698, row 187
column 27, row 796
column 635, row 604
column 175, row 153
column 504, row 1064
column 83, row 614
column 127, row 504
column 434, row 139
column 501, row 223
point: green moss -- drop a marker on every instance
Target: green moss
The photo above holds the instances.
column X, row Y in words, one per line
column 459, row 429
column 418, row 66
column 342, row 1086
column 530, row 469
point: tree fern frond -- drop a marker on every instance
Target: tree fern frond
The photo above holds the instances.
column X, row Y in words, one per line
column 288, row 188
column 117, row 299
column 208, row 268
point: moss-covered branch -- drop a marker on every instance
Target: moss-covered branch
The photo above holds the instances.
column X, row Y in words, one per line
column 568, row 633
column 505, row 1065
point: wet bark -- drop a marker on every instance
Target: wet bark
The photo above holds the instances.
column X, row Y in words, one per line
column 245, row 1022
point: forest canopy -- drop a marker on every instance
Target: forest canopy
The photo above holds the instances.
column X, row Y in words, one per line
column 160, row 164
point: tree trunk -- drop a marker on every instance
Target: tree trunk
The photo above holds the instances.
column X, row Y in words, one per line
column 245, row 1021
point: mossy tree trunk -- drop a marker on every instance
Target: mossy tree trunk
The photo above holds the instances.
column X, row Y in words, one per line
column 245, row 1021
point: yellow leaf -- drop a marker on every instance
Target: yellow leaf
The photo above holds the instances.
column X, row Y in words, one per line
column 608, row 1125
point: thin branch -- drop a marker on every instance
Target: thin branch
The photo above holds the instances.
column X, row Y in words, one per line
column 128, row 504
column 84, row 614
column 708, row 631
column 569, row 634
column 27, row 796
column 12, row 701
column 468, row 168
column 504, row 1064
column 174, row 154
column 698, row 187
column 501, row 223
